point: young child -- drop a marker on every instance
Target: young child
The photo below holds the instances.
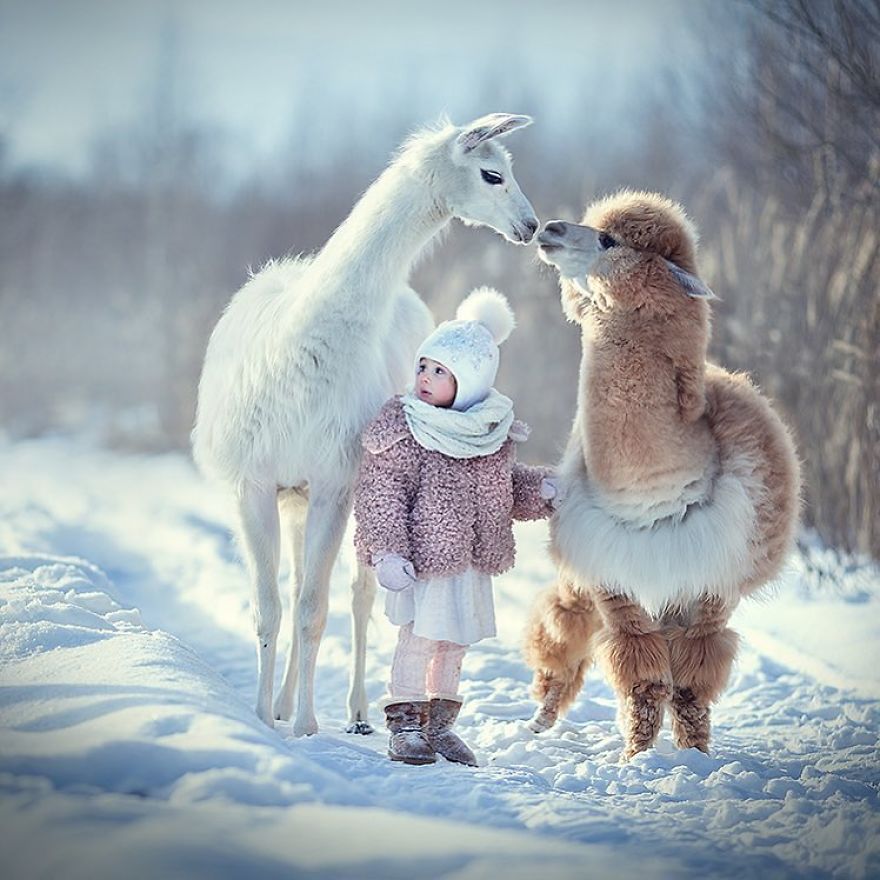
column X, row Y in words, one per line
column 437, row 492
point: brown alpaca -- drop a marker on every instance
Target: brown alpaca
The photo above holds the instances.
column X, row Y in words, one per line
column 681, row 484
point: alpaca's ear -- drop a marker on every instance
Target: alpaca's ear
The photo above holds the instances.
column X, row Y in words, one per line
column 487, row 127
column 691, row 285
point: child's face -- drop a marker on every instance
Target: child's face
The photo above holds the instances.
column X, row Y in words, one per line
column 434, row 383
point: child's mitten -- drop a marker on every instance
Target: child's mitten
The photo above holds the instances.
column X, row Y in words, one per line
column 394, row 572
column 552, row 491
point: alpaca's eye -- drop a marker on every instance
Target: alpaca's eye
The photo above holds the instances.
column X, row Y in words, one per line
column 606, row 241
column 492, row 177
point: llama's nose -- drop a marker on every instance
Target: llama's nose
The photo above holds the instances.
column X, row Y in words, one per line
column 555, row 227
column 532, row 225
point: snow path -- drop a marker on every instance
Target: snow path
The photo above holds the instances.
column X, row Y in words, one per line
column 128, row 741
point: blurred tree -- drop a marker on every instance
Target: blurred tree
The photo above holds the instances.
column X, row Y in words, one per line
column 805, row 97
column 818, row 82
column 793, row 242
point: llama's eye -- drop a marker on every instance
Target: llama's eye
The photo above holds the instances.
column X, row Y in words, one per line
column 492, row 177
column 606, row 241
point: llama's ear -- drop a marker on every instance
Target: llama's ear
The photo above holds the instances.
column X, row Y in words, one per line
column 691, row 285
column 487, row 127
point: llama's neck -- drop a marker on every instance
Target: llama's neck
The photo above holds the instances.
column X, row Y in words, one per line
column 636, row 436
column 373, row 251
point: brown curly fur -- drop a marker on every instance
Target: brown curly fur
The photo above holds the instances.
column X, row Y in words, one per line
column 654, row 414
column 560, row 646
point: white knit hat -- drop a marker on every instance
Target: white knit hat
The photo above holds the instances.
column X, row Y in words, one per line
column 468, row 346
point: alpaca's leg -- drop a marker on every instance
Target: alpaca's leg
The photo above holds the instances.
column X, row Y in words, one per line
column 293, row 505
column 325, row 525
column 702, row 655
column 559, row 649
column 260, row 532
column 636, row 659
column 363, row 592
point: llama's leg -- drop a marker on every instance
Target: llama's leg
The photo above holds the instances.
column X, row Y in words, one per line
column 702, row 655
column 636, row 659
column 363, row 592
column 293, row 506
column 325, row 525
column 260, row 532
column 559, row 649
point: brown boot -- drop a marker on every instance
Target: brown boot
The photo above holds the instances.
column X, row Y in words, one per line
column 443, row 713
column 408, row 742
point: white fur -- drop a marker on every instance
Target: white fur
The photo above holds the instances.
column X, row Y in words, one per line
column 490, row 308
column 692, row 551
column 302, row 359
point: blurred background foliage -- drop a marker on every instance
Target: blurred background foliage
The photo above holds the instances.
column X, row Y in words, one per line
column 762, row 117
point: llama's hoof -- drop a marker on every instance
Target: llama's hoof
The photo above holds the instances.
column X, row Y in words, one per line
column 267, row 719
column 306, row 728
column 543, row 720
column 282, row 712
column 362, row 727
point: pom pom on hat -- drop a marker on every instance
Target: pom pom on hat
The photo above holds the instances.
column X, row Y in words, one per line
column 468, row 346
column 490, row 308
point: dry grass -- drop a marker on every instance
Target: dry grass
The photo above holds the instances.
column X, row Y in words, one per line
column 800, row 310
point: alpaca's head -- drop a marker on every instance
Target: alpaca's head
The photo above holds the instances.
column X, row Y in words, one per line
column 471, row 174
column 635, row 252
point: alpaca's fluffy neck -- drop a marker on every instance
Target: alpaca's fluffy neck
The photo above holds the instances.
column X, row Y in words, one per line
column 372, row 252
column 634, row 437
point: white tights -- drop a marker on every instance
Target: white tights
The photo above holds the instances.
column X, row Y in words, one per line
column 424, row 667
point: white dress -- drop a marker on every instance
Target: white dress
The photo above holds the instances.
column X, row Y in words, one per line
column 457, row 609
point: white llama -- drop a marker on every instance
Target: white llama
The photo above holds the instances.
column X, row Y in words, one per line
column 301, row 360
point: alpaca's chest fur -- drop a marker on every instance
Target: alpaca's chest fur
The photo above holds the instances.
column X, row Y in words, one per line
column 655, row 508
column 660, row 552
column 634, row 436
column 726, row 535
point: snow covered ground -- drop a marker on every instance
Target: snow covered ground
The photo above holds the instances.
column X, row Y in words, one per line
column 129, row 748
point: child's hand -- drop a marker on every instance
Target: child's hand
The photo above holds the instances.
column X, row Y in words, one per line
column 394, row 572
column 552, row 491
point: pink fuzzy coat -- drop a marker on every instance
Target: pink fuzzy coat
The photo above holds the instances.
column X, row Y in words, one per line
column 443, row 514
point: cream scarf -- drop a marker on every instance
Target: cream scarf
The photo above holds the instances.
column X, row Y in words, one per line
column 479, row 430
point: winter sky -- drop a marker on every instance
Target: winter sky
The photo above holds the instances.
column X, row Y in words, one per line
column 70, row 71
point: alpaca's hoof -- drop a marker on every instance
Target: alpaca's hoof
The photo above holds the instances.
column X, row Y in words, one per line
column 631, row 751
column 543, row 720
column 361, row 727
column 701, row 745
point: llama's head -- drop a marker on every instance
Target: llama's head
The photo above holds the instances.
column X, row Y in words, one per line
column 472, row 176
column 635, row 251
